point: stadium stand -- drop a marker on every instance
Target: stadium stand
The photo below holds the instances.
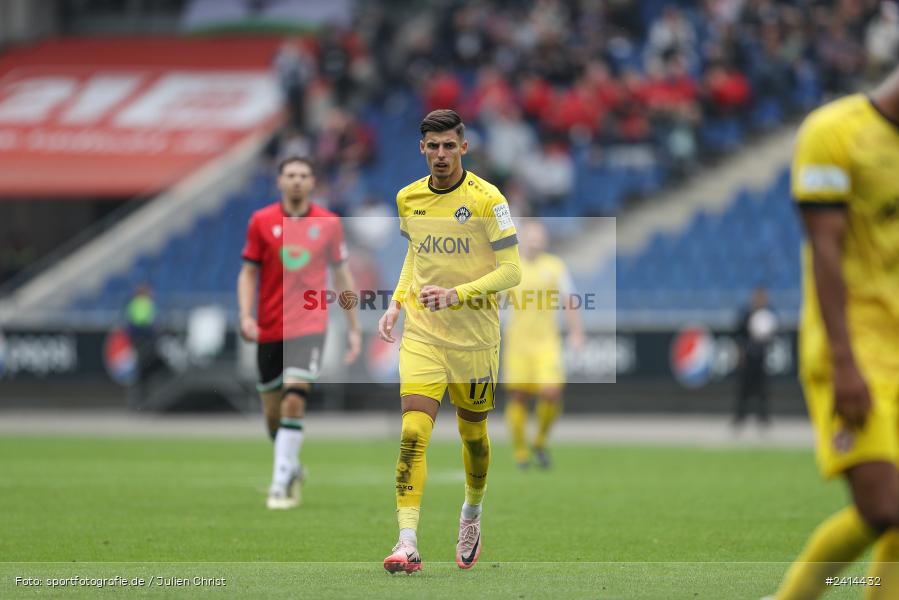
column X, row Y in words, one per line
column 701, row 267
column 198, row 265
column 641, row 94
column 715, row 262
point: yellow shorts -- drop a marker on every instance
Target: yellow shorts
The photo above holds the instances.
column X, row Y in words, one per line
column 838, row 447
column 533, row 370
column 468, row 375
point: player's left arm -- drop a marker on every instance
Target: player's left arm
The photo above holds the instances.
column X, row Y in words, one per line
column 343, row 281
column 507, row 274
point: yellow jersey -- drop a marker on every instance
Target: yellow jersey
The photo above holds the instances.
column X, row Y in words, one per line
column 847, row 155
column 452, row 235
column 533, row 306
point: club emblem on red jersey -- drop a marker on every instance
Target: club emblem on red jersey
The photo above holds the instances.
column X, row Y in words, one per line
column 313, row 232
column 276, row 231
column 294, row 258
column 462, row 214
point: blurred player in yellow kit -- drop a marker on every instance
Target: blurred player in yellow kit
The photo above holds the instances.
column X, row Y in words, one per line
column 463, row 249
column 532, row 343
column 846, row 183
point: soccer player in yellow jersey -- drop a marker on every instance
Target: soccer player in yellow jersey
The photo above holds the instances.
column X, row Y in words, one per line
column 463, row 249
column 532, row 343
column 846, row 183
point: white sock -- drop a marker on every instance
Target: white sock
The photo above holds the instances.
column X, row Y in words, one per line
column 470, row 511
column 409, row 535
column 287, row 452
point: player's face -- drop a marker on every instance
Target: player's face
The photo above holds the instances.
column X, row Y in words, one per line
column 296, row 181
column 443, row 152
column 533, row 238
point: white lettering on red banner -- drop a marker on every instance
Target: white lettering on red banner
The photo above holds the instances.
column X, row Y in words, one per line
column 120, row 130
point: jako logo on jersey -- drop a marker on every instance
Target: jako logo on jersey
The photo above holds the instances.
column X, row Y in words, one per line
column 294, row 258
column 462, row 214
column 444, row 245
column 276, row 231
column 692, row 352
column 419, row 212
column 119, row 357
column 313, row 232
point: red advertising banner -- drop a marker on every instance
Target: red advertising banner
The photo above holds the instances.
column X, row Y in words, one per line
column 127, row 117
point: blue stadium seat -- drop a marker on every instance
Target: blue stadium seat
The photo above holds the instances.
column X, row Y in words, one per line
column 721, row 135
column 717, row 260
column 766, row 113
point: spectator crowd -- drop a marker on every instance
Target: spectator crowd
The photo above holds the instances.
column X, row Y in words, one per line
column 542, row 82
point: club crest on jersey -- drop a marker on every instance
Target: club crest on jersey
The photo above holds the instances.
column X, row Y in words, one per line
column 313, row 232
column 462, row 214
column 294, row 258
column 843, row 441
column 276, row 231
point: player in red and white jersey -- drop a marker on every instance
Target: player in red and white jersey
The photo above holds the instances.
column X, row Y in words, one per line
column 291, row 244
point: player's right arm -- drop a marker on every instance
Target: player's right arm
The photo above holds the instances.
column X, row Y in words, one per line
column 822, row 187
column 576, row 336
column 246, row 282
column 246, row 294
column 825, row 231
column 389, row 318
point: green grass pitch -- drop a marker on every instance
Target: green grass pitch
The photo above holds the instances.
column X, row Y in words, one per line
column 606, row 522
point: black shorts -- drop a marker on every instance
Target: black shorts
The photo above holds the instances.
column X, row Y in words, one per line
column 296, row 358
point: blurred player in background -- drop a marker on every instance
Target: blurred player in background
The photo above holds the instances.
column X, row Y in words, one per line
column 463, row 248
column 290, row 245
column 846, row 182
column 140, row 316
column 532, row 343
column 755, row 332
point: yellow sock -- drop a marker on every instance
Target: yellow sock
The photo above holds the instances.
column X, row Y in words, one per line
column 836, row 542
column 412, row 467
column 547, row 413
column 517, row 420
column 885, row 567
column 476, row 456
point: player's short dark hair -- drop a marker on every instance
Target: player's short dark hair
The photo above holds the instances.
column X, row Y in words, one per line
column 442, row 119
column 293, row 158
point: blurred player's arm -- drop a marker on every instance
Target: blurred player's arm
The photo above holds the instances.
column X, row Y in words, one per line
column 343, row 281
column 822, row 186
column 826, row 230
column 507, row 274
column 741, row 335
column 338, row 254
column 246, row 298
column 576, row 336
column 246, row 282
